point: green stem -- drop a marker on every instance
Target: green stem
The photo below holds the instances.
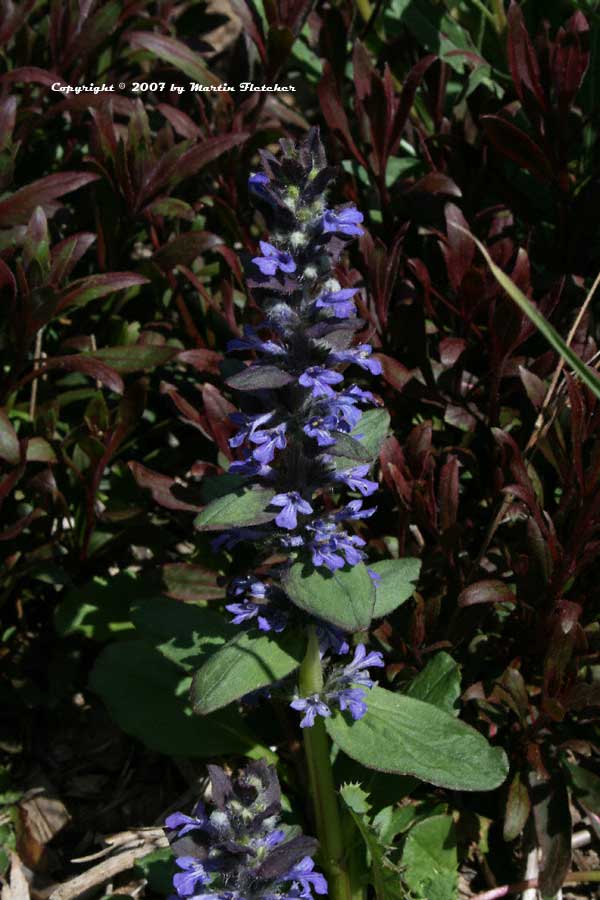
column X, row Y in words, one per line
column 485, row 12
column 322, row 785
column 365, row 9
column 499, row 15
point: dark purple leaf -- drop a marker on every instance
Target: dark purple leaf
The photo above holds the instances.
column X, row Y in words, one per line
column 518, row 146
column 552, row 815
column 31, row 74
column 534, row 386
column 134, row 357
column 218, row 411
column 202, row 360
column 182, row 124
column 95, row 368
column 436, row 183
column 451, row 349
column 252, row 24
column 524, row 65
column 160, row 487
column 189, row 582
column 459, row 249
column 333, row 112
column 66, row 254
column 448, row 493
column 84, row 290
column 518, row 808
column 407, row 97
column 184, row 249
column 175, row 53
column 17, row 209
column 570, row 59
column 205, row 152
column 394, row 372
column 486, row 591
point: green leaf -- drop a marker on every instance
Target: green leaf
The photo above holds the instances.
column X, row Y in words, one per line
column 393, row 820
column 39, row 450
column 98, row 609
column 243, row 665
column 348, row 448
column 146, row 695
column 236, row 510
column 345, row 598
column 171, row 207
column 371, row 432
column 586, row 787
column 438, row 683
column 587, row 375
column 183, row 632
column 437, row 32
column 355, row 798
column 258, row 378
column 384, row 874
column 9, row 442
column 158, row 869
column 406, row 736
column 215, row 486
column 430, row 859
column 397, row 584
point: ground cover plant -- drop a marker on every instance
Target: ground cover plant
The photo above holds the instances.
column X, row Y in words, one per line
column 299, row 450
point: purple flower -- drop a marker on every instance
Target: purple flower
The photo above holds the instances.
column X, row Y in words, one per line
column 247, row 426
column 193, row 874
column 273, row 259
column 242, row 612
column 361, row 356
column 356, row 481
column 311, row 707
column 360, row 395
column 250, row 466
column 333, row 548
column 291, row 540
column 344, row 221
column 319, row 380
column 354, row 510
column 268, row 440
column 258, row 178
column 268, row 618
column 344, row 407
column 320, row 429
column 356, row 671
column 338, row 302
column 303, row 873
column 292, row 504
column 248, row 585
column 251, row 341
column 254, row 595
column 184, row 824
column 351, row 699
column 331, row 638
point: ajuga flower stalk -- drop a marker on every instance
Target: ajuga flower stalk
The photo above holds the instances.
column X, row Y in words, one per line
column 302, row 399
